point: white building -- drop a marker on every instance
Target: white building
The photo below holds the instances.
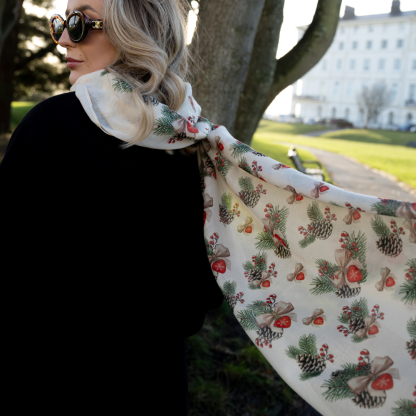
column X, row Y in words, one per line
column 365, row 50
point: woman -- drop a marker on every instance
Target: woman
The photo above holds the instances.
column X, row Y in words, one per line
column 114, row 272
column 103, row 245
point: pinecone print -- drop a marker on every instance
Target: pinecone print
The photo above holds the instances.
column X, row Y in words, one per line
column 309, row 363
column 355, row 324
column 390, row 245
column 411, row 348
column 209, row 166
column 257, row 153
column 266, row 336
column 254, row 275
column 367, row 401
column 225, row 216
column 202, row 183
column 231, row 300
column 347, row 292
column 250, row 198
column 321, row 229
column 282, row 252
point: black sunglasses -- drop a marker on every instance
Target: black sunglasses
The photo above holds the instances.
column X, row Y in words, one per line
column 77, row 24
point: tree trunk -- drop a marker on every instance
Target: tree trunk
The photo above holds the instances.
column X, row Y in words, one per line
column 9, row 15
column 225, row 34
column 240, row 76
column 6, row 75
column 261, row 71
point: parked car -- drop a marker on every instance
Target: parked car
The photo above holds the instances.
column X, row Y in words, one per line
column 407, row 127
column 308, row 121
column 289, row 119
column 338, row 122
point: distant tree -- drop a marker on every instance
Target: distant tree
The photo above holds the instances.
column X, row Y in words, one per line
column 23, row 69
column 372, row 101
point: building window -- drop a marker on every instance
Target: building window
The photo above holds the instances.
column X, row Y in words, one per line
column 399, row 43
column 342, row 31
column 355, row 29
column 319, row 112
column 350, row 89
column 391, row 118
column 352, row 64
column 383, row 44
column 298, row 109
column 401, row 26
column 393, row 92
column 381, row 64
column 366, row 64
column 336, row 89
column 334, row 112
column 414, row 65
column 355, row 45
column 323, row 65
column 299, row 87
column 347, row 114
column 369, row 44
column 412, row 92
column 339, row 64
column 409, row 117
column 370, row 28
column 341, row 46
column 397, row 64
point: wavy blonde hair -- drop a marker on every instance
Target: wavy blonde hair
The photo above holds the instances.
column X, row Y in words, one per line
column 150, row 36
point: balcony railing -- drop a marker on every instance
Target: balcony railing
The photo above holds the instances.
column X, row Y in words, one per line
column 309, row 97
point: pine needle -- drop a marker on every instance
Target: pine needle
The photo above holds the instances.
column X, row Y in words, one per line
column 308, row 344
column 411, row 327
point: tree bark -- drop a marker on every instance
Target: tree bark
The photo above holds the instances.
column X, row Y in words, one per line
column 225, row 36
column 9, row 15
column 6, row 75
column 261, row 71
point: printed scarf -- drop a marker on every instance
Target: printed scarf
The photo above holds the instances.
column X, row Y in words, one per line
column 322, row 280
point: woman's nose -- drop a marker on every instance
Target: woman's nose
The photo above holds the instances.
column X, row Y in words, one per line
column 65, row 41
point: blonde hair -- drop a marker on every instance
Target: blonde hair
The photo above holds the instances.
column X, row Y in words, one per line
column 150, row 36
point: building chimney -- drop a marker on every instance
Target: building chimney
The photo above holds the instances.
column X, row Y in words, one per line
column 395, row 8
column 349, row 13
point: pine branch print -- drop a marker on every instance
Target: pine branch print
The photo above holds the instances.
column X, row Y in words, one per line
column 406, row 408
column 164, row 124
column 224, row 165
column 411, row 327
column 248, row 265
column 243, row 164
column 314, row 213
column 379, row 226
column 238, row 149
column 386, row 207
column 105, row 72
column 247, row 320
column 258, row 307
column 292, row 352
column 307, row 343
column 246, row 183
column 305, row 242
column 409, row 291
column 121, row 86
column 227, row 200
column 307, row 376
column 229, row 288
column 265, row 241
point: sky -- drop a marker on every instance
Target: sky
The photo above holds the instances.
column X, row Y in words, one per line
column 296, row 13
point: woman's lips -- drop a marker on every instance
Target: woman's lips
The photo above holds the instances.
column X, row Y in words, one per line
column 72, row 63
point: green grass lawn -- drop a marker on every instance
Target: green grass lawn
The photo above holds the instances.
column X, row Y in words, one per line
column 383, row 150
column 19, row 110
column 287, row 128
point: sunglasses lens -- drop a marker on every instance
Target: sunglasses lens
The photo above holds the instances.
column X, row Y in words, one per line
column 58, row 29
column 75, row 27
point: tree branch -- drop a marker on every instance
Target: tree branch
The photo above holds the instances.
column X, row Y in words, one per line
column 309, row 50
column 35, row 55
column 261, row 71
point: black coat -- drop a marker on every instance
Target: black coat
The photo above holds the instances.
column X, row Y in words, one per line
column 100, row 244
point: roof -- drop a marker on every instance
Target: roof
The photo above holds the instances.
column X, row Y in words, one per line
column 380, row 16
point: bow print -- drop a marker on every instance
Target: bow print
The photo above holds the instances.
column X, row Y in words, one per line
column 220, row 252
column 407, row 210
column 278, row 166
column 298, row 271
column 208, row 203
column 353, row 215
column 182, row 125
column 264, row 276
column 320, row 187
column 295, row 197
column 388, row 280
column 343, row 257
column 411, row 226
column 315, row 314
column 369, row 322
column 277, row 236
column 280, row 310
column 378, row 367
column 241, row 228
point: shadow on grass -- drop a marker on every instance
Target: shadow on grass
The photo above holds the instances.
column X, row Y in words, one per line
column 228, row 376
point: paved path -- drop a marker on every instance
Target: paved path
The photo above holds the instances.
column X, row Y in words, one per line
column 349, row 174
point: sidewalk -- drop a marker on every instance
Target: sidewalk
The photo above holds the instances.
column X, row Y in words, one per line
column 349, row 174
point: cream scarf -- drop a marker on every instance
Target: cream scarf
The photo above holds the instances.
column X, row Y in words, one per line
column 322, row 280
